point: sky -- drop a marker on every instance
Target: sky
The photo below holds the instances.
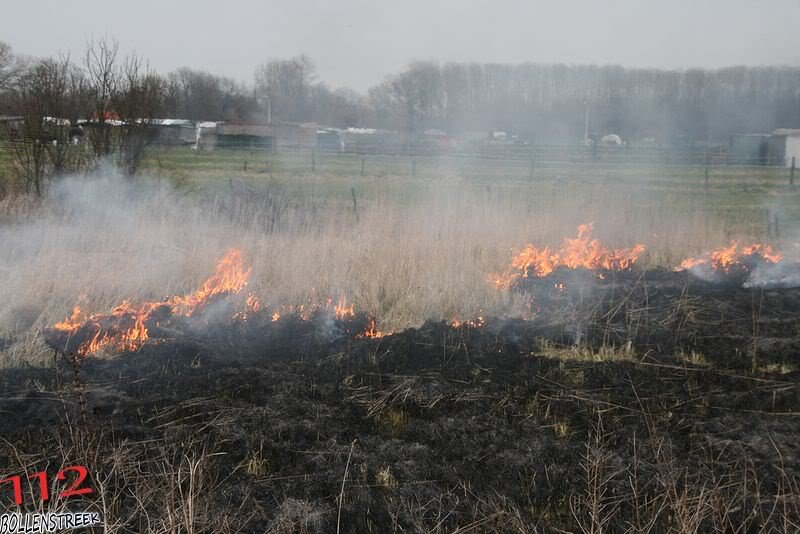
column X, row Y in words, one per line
column 357, row 43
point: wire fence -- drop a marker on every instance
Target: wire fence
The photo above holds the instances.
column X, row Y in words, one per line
column 707, row 165
column 499, row 159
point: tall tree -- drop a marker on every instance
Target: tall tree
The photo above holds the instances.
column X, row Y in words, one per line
column 199, row 95
column 122, row 96
column 284, row 86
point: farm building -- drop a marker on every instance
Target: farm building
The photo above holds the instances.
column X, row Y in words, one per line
column 11, row 123
column 265, row 135
column 611, row 140
column 749, row 149
column 372, row 140
column 174, row 131
column 330, row 139
column 436, row 140
column 205, row 135
column 784, row 145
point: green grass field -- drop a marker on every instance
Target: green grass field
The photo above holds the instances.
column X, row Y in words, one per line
column 741, row 196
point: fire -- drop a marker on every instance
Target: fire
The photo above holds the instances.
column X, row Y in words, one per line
column 253, row 303
column 128, row 326
column 458, row 323
column 342, row 310
column 371, row 331
column 581, row 251
column 732, row 256
column 230, row 277
column 125, row 328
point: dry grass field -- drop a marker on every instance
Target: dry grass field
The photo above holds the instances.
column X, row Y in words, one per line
column 403, row 248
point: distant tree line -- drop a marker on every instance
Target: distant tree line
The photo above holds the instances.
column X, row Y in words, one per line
column 548, row 102
column 540, row 103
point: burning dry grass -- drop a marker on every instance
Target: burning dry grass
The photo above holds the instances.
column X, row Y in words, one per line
column 403, row 252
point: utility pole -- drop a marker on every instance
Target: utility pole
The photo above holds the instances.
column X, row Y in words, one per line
column 586, row 123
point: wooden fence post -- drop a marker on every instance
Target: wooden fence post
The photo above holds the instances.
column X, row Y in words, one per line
column 769, row 222
column 355, row 202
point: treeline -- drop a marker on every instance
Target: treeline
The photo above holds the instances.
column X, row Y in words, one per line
column 545, row 104
column 548, row 102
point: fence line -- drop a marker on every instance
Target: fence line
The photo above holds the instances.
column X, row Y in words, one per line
column 522, row 159
column 696, row 155
column 692, row 155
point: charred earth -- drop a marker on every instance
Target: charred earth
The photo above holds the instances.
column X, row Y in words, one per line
column 629, row 400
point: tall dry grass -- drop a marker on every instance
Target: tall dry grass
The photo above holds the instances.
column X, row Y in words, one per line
column 412, row 250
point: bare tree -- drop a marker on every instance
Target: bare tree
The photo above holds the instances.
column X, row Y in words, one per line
column 8, row 65
column 102, row 73
column 138, row 98
column 122, row 98
column 285, row 84
column 46, row 99
column 199, row 95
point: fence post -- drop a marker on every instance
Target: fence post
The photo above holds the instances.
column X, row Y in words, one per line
column 791, row 171
column 769, row 222
column 363, row 161
column 245, row 165
column 706, row 178
column 355, row 203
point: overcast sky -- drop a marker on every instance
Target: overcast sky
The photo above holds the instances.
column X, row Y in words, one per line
column 357, row 42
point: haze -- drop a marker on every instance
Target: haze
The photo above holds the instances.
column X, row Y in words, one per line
column 356, row 43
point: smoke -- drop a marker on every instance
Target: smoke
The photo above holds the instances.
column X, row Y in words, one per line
column 780, row 275
column 411, row 249
column 100, row 239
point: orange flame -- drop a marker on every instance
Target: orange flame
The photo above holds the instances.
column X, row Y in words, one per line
column 725, row 258
column 581, row 251
column 342, row 310
column 229, row 277
column 371, row 331
column 458, row 323
column 125, row 327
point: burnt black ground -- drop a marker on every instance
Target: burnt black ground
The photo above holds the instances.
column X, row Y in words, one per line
column 484, row 429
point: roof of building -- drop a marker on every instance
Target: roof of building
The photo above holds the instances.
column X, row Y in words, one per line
column 787, row 131
column 173, row 122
